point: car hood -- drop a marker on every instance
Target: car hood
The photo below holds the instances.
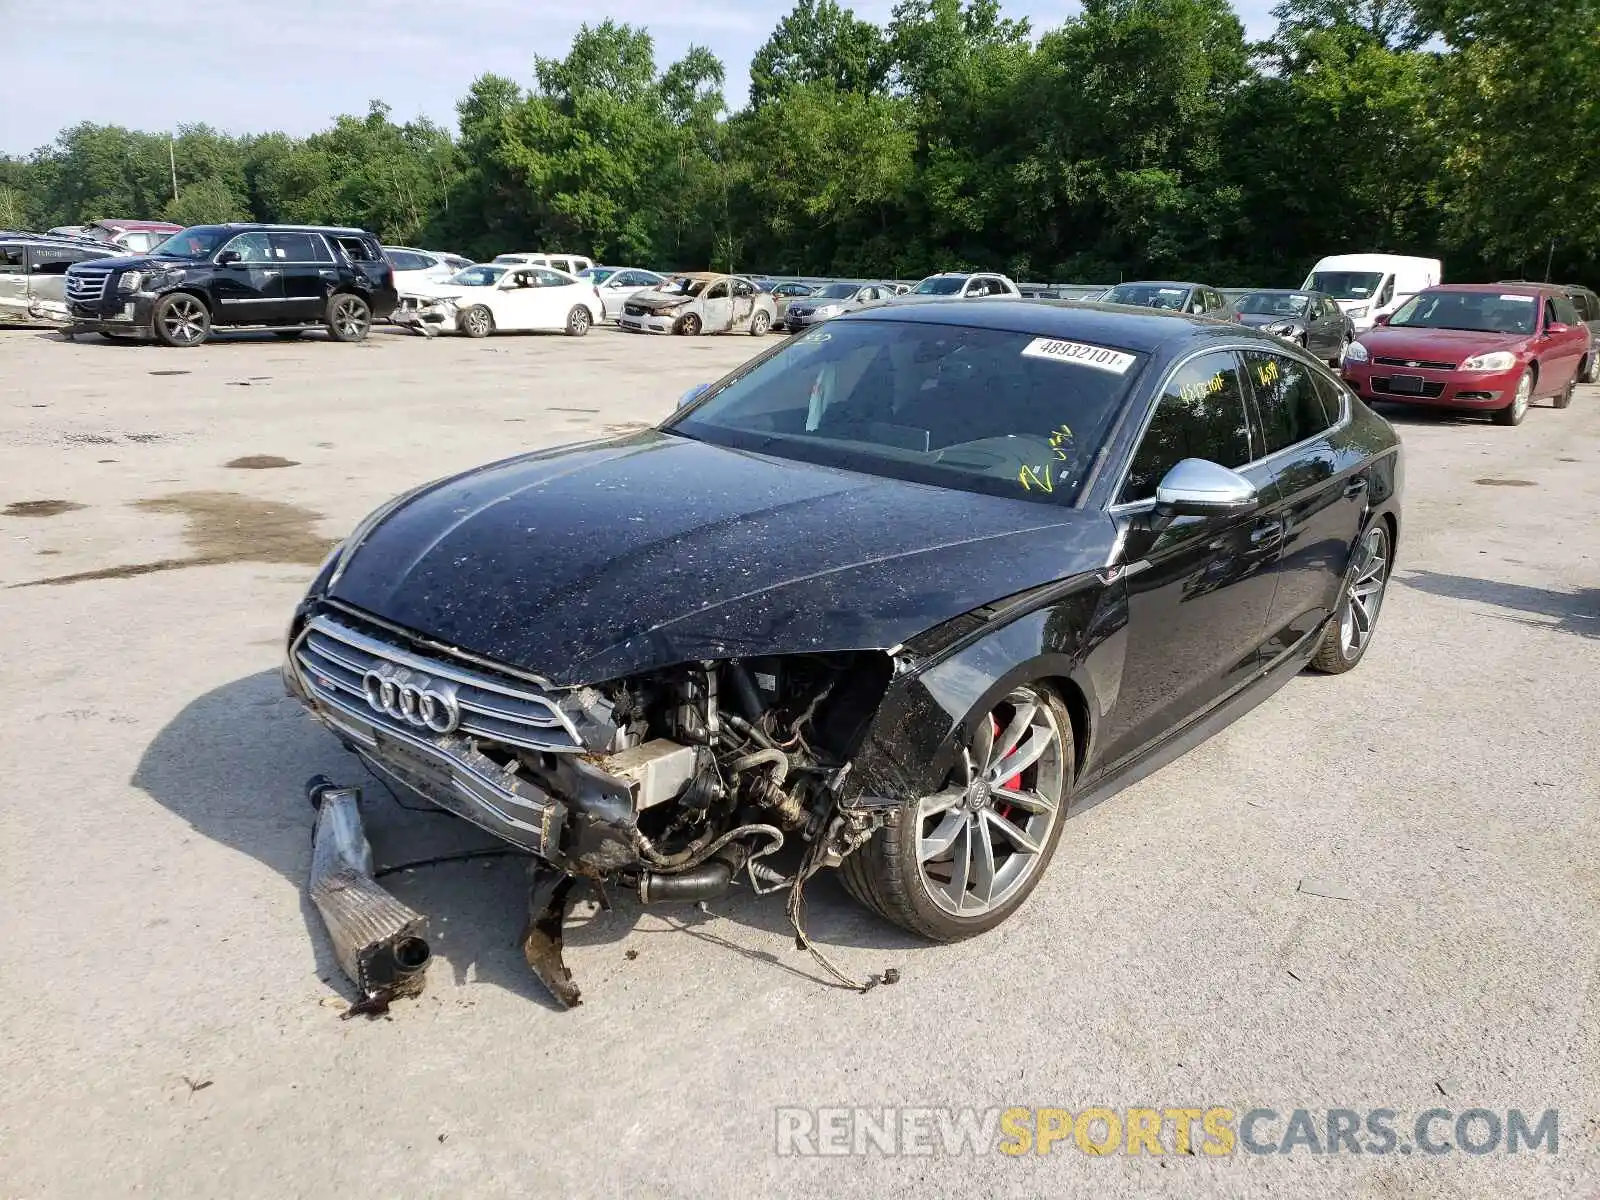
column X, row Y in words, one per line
column 129, row 262
column 653, row 298
column 1437, row 344
column 590, row 562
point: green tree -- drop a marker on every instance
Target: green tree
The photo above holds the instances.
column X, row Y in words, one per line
column 820, row 42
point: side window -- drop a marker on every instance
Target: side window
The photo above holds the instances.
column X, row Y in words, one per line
column 13, row 260
column 1201, row 414
column 357, row 250
column 1290, row 408
column 1332, row 394
column 1387, row 294
column 741, row 288
column 54, row 260
column 298, row 248
column 1566, row 312
column 1550, row 317
column 544, row 277
column 718, row 290
column 251, row 247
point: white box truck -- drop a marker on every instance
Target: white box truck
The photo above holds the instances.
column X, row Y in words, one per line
column 1365, row 285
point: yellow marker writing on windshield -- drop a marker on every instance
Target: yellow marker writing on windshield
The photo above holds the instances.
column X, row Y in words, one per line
column 1043, row 482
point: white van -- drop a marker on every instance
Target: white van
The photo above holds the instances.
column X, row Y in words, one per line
column 572, row 264
column 1365, row 285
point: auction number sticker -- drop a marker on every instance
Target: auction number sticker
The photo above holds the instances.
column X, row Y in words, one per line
column 1098, row 357
column 1519, row 299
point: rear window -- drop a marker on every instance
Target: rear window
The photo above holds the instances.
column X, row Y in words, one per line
column 299, row 248
column 1287, row 400
column 54, row 260
column 13, row 260
column 979, row 410
column 357, row 249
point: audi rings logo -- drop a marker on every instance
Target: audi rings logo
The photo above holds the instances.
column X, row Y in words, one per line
column 412, row 697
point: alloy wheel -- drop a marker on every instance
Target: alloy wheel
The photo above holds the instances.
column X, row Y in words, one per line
column 1364, row 597
column 184, row 322
column 985, row 835
column 1523, row 398
column 350, row 318
column 578, row 321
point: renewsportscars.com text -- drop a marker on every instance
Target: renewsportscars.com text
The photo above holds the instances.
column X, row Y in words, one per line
column 1214, row 1131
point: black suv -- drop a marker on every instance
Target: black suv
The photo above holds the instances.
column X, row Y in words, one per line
column 286, row 278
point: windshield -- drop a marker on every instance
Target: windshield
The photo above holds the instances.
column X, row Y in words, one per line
column 980, row 410
column 1345, row 285
column 940, row 285
column 684, row 286
column 1481, row 312
column 836, row 291
column 478, row 276
column 200, row 242
column 1148, row 295
column 1273, row 304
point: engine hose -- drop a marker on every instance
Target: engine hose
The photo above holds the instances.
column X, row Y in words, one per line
column 742, row 727
column 704, row 882
column 778, row 759
column 693, row 856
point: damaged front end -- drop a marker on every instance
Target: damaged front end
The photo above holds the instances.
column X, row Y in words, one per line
column 671, row 783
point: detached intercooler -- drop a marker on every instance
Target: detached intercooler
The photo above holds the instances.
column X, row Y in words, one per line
column 380, row 943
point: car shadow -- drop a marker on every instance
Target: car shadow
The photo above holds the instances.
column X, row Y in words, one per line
column 1573, row 612
column 233, row 765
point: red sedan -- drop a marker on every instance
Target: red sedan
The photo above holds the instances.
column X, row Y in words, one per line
column 1491, row 347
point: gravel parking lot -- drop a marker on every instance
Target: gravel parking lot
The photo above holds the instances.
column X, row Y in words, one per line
column 1378, row 890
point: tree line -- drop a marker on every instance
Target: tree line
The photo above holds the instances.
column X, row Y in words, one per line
column 1139, row 138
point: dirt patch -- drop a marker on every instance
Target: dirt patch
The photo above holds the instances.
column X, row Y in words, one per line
column 223, row 527
column 260, row 462
column 90, row 439
column 1505, row 483
column 40, row 508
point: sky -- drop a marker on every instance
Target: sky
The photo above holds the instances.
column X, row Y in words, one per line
column 294, row 65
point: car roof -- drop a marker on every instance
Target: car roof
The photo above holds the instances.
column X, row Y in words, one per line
column 1141, row 330
column 1158, row 283
column 131, row 226
column 1520, row 289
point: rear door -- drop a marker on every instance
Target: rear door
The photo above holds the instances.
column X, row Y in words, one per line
column 13, row 281
column 1200, row 593
column 307, row 271
column 1319, row 504
column 47, row 274
column 744, row 304
column 249, row 289
column 1573, row 344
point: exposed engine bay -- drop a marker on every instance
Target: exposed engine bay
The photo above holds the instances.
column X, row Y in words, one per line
column 673, row 784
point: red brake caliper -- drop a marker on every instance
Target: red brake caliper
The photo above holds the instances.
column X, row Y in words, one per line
column 1014, row 783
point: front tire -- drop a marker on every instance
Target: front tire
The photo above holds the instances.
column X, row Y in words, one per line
column 1348, row 635
column 349, row 318
column 1513, row 413
column 689, row 326
column 579, row 320
column 759, row 324
column 181, row 320
column 476, row 322
column 959, row 862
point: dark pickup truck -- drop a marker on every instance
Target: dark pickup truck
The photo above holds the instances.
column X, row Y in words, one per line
column 283, row 278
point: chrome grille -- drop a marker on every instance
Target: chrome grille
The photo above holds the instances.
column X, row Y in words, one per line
column 87, row 285
column 1414, row 364
column 334, row 658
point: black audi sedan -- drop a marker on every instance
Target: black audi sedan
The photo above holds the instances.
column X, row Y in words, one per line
column 904, row 592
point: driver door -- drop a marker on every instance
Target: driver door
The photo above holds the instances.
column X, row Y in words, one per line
column 1200, row 592
column 515, row 302
column 249, row 288
column 717, row 307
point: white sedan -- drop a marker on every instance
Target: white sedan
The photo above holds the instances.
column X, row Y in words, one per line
column 617, row 284
column 491, row 298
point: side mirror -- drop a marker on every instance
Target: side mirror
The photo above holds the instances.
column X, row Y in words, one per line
column 1197, row 487
column 692, row 394
column 1381, row 319
column 228, row 256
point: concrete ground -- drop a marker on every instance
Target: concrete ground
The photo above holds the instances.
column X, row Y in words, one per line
column 1374, row 891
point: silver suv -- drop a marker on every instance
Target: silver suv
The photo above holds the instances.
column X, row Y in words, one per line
column 33, row 275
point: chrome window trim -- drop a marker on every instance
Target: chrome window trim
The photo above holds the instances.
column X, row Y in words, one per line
column 1241, row 348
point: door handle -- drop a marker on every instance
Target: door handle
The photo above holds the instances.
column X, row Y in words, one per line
column 1356, row 486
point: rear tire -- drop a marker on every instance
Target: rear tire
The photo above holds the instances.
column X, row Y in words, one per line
column 1564, row 397
column 181, row 320
column 902, row 872
column 1591, row 368
column 349, row 318
column 1513, row 412
column 476, row 322
column 579, row 320
column 1345, row 640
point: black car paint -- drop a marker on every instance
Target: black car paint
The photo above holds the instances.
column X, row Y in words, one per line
column 244, row 294
column 715, row 553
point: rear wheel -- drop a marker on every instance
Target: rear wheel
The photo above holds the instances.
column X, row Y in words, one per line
column 476, row 322
column 579, row 320
column 181, row 320
column 959, row 862
column 1564, row 396
column 1350, row 632
column 349, row 318
column 1513, row 413
column 1591, row 368
column 1344, row 347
